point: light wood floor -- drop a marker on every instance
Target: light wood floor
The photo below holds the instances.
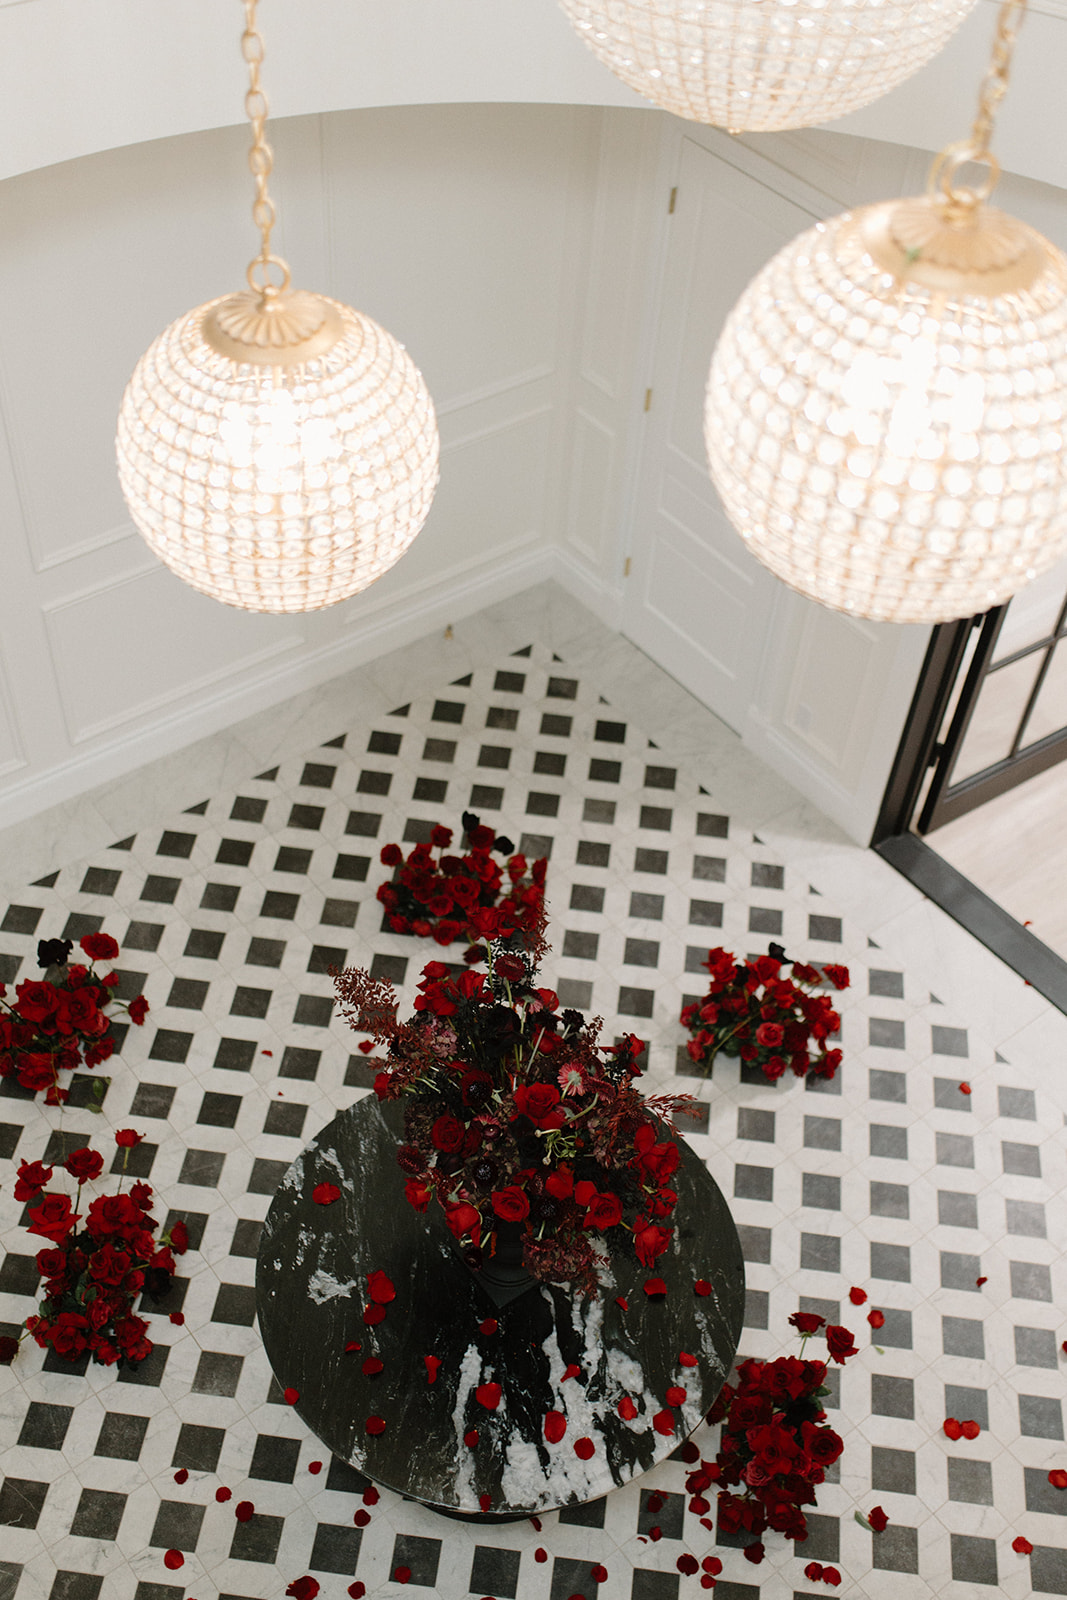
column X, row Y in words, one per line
column 1015, row 849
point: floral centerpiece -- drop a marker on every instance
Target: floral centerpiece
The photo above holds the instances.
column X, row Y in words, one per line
column 60, row 1021
column 514, row 1114
column 772, row 1022
column 93, row 1273
column 776, row 1443
column 435, row 896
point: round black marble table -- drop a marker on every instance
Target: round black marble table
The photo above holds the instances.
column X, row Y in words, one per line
column 312, row 1290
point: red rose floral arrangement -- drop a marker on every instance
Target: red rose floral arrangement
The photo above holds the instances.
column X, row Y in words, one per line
column 775, row 1444
column 449, row 897
column 516, row 1115
column 93, row 1273
column 60, row 1021
column 771, row 1022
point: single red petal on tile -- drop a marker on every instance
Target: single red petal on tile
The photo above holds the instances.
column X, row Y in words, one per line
column 965, row 1088
column 979, row 1281
column 178, row 1318
column 324, row 1194
column 373, row 1314
column 689, row 1451
column 1058, row 1478
column 432, row 1363
column 655, row 1534
column 380, row 1287
column 315, row 1467
column 361, row 1518
column 970, row 1429
column 357, row 1590
column 622, row 1303
column 952, row 1428
column 813, row 1571
column 173, row 1560
column 291, row 1396
column 535, row 1523
column 222, row 1495
column 470, row 1438
column 756, row 1552
column 655, row 1288
column 182, row 1475
column 712, row 1564
column 1022, row 1547
column 676, row 1395
column 878, row 1520
column 270, row 1053
column 353, row 1344
column 540, row 1554
column 305, row 1588
column 490, row 1325
column 571, row 1372
column 371, row 1495
column 857, row 1296
column 687, row 1564
column 366, row 1045
column 702, row 1287
column 375, row 1425
column 706, row 1582
column 402, row 1575
column 372, row 1366
column 663, row 1422
column 485, row 1501
column 831, row 1575
column 244, row 1510
column 599, row 1574
column 654, row 1502
column 699, row 1506
column 626, row 1409
column 685, row 1359
column 876, row 1319
column 488, row 1395
column 555, row 1426
column 584, row 1448
column 706, row 1522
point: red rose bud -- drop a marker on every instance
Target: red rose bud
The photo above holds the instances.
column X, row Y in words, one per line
column 372, row 1366
column 173, row 1560
column 951, row 1428
column 432, row 1363
column 685, row 1359
column 380, row 1288
column 470, row 1438
column 222, row 1495
column 687, row 1564
column 182, row 1475
column 656, row 1289
column 876, row 1319
column 626, row 1409
column 488, row 1395
column 489, row 1326
column 375, row 1425
column 857, row 1296
column 584, row 1449
column 1021, row 1546
column 291, row 1396
column 970, row 1429
column 675, row 1396
column 324, row 1194
column 244, row 1510
column 702, row 1287
column 126, row 1138
column 663, row 1422
column 571, row 1372
column 555, row 1426
column 877, row 1520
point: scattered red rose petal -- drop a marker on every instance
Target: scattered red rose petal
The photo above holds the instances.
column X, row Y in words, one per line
column 361, row 1518
column 380, row 1287
column 490, row 1325
column 702, row 1287
column 756, row 1552
column 555, row 1426
column 655, row 1534
column 182, row 1475
column 402, row 1575
column 485, row 1501
column 315, row 1467
column 706, row 1581
column 877, row 1520
column 699, row 1506
column 1058, row 1478
column 655, row 1288
column 432, row 1364
column 291, row 1396
column 685, row 1359
column 979, row 1282
column 965, row 1088
column 622, row 1303
column 324, row 1194
column 876, row 1319
column 952, row 1428
column 857, row 1296
column 470, row 1438
column 687, row 1564
column 366, row 1045
column 353, row 1344
column 178, row 1318
column 663, row 1422
column 305, row 1588
column 598, row 1573
column 584, row 1448
column 375, row 1425
column 535, row 1524
column 357, row 1590
column 1022, row 1547
column 654, row 1502
column 689, row 1451
column 571, row 1372
column 173, row 1560
column 970, row 1429
column 371, row 1495
column 488, row 1395
column 540, row 1554
column 244, row 1510
column 372, row 1366
column 712, row 1564
column 626, row 1409
column 813, row 1571
column 270, row 1053
column 222, row 1495
column 676, row 1395
column 831, row 1575
column 373, row 1314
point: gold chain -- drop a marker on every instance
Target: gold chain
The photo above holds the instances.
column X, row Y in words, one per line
column 964, row 199
column 260, row 162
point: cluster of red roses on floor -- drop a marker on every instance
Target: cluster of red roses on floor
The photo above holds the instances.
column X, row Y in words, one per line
column 516, row 1114
column 470, row 896
column 55, row 1024
column 771, row 1022
column 775, row 1444
column 93, row 1273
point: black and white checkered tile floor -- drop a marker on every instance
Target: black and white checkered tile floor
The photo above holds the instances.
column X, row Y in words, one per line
column 890, row 1178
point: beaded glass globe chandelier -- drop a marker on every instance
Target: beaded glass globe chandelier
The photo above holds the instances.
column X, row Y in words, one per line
column 886, row 416
column 277, row 450
column 758, row 65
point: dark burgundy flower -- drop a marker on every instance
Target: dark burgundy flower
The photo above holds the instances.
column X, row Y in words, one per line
column 9, row 1349
column 138, row 1009
column 84, row 1164
column 840, row 1343
column 806, row 1322
column 53, row 952
column 510, row 1204
column 126, row 1138
column 99, row 946
column 32, row 1177
column 447, row 1134
column 53, row 1219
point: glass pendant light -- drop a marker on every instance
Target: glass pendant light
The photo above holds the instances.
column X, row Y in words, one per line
column 276, row 449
